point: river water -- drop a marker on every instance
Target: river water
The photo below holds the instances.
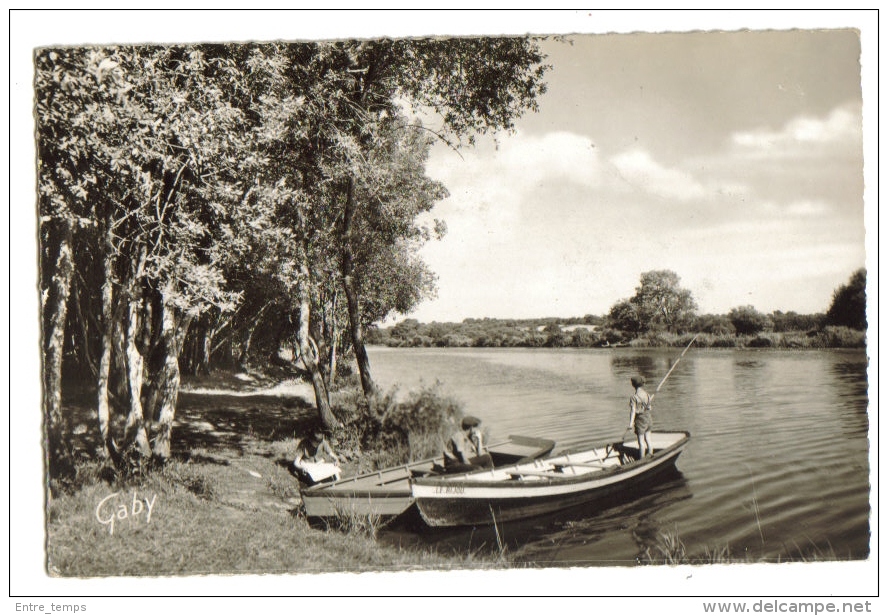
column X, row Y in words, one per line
column 777, row 467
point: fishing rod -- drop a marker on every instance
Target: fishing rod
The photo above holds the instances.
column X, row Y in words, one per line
column 674, row 365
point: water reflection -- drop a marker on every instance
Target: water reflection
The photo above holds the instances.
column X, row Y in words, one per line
column 564, row 536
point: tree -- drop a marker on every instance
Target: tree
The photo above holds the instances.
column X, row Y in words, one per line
column 624, row 316
column 848, row 306
column 236, row 187
column 659, row 303
column 718, row 325
column 130, row 142
column 749, row 321
column 472, row 85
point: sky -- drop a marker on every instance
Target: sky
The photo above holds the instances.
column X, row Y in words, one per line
column 734, row 159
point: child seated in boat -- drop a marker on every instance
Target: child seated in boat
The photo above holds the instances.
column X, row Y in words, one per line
column 315, row 460
column 465, row 451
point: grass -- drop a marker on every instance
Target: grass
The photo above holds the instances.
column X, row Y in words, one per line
column 214, row 519
column 225, row 502
column 670, row 549
column 351, row 522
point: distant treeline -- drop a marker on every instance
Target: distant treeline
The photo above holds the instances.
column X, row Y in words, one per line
column 778, row 330
column 661, row 313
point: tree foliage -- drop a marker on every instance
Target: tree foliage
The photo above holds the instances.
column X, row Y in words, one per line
column 201, row 201
column 659, row 303
column 624, row 316
column 848, row 306
column 747, row 320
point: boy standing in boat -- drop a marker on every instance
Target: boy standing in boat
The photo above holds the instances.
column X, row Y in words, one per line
column 640, row 417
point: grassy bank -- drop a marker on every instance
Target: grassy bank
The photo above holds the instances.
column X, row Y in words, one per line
column 225, row 503
column 210, row 518
column 669, row 549
column 827, row 338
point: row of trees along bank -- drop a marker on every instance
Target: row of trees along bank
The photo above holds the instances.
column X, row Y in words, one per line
column 660, row 313
column 201, row 205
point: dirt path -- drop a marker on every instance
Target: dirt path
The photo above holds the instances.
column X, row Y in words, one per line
column 245, row 426
column 252, row 434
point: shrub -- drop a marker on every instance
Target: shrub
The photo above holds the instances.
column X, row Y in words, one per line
column 716, row 325
column 610, row 336
column 834, row 337
column 748, row 320
column 684, row 340
column 384, row 431
column 581, row 338
column 362, row 432
column 652, row 340
column 426, row 417
column 723, row 342
column 796, row 340
column 761, row 342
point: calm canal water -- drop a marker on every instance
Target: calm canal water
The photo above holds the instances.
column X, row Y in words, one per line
column 777, row 467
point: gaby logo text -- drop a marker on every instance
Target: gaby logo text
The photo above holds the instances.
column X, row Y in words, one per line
column 111, row 509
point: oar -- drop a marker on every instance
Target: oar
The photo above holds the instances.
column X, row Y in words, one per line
column 673, row 366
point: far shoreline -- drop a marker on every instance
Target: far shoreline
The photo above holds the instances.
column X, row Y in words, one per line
column 829, row 337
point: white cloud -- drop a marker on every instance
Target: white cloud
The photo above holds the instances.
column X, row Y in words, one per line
column 490, row 185
column 807, row 208
column 520, row 161
column 804, row 135
column 643, row 172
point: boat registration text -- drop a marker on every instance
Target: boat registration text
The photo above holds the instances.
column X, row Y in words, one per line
column 450, row 489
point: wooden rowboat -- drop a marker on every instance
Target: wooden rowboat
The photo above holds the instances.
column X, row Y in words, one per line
column 542, row 486
column 386, row 493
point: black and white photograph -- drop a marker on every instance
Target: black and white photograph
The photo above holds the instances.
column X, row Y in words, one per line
column 589, row 297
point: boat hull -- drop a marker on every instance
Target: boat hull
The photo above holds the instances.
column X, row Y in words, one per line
column 368, row 504
column 474, row 501
column 387, row 494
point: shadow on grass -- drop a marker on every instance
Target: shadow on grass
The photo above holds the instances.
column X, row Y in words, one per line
column 238, row 422
column 208, row 427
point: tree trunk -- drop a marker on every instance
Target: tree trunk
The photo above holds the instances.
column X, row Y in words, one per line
column 334, row 344
column 323, row 358
column 58, row 452
column 206, row 350
column 308, row 350
column 351, row 292
column 173, row 330
column 135, row 433
column 244, row 354
column 195, row 356
column 85, row 363
column 331, row 335
column 102, row 407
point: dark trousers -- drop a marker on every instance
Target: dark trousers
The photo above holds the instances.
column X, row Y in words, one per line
column 475, row 464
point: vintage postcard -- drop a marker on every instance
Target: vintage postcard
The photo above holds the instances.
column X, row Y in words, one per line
column 561, row 300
